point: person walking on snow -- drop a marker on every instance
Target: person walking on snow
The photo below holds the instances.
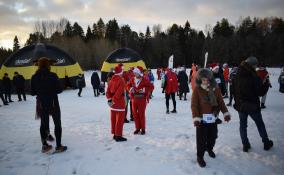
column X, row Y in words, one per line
column 80, row 84
column 193, row 76
column 264, row 76
column 7, row 86
column 19, row 83
column 281, row 81
column 170, row 88
column 248, row 87
column 96, row 82
column 206, row 103
column 116, row 100
column 226, row 74
column 233, row 74
column 183, row 84
column 139, row 89
column 45, row 85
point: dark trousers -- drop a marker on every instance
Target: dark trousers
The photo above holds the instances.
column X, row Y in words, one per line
column 130, row 108
column 44, row 125
column 181, row 93
column 20, row 92
column 80, row 91
column 231, row 94
column 96, row 92
column 257, row 118
column 7, row 95
column 2, row 98
column 173, row 96
column 206, row 136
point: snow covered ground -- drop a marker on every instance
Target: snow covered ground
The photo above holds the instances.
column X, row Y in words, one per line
column 168, row 148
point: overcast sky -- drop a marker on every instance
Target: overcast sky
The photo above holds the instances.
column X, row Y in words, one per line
column 18, row 17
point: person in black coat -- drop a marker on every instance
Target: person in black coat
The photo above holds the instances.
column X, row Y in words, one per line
column 248, row 87
column 7, row 87
column 80, row 84
column 183, row 83
column 95, row 80
column 45, row 85
column 19, row 83
column 219, row 77
column 1, row 95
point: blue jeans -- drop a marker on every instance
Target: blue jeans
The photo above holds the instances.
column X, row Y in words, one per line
column 257, row 118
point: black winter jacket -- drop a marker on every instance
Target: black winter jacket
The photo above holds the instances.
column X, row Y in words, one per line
column 248, row 87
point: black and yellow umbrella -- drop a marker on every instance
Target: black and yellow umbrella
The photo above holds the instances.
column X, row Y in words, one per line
column 23, row 62
column 128, row 57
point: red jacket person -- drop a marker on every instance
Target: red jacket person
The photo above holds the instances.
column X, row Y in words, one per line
column 116, row 100
column 139, row 89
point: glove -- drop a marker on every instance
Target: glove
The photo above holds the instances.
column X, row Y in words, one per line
column 227, row 118
column 218, row 121
column 109, row 102
column 197, row 123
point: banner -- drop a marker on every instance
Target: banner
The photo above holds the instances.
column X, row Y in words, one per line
column 171, row 62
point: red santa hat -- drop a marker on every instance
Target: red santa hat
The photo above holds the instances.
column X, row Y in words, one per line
column 121, row 65
column 118, row 70
column 214, row 66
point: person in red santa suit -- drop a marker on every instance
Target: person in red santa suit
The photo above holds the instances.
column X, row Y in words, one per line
column 170, row 88
column 116, row 100
column 159, row 73
column 139, row 89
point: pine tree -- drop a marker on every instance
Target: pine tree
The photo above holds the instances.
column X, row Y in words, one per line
column 89, row 35
column 16, row 45
column 101, row 29
column 112, row 30
column 77, row 30
column 68, row 30
column 148, row 33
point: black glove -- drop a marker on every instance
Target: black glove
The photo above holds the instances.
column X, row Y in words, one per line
column 197, row 123
column 109, row 102
column 218, row 121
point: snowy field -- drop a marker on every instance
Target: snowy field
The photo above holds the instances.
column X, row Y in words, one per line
column 168, row 148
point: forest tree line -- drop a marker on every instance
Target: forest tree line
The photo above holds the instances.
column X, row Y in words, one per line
column 260, row 37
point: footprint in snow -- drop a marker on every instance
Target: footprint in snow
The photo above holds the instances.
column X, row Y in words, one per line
column 137, row 148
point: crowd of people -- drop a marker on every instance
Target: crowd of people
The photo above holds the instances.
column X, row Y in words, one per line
column 7, row 86
column 131, row 91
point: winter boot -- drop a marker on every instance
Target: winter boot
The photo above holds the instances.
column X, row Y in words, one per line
column 50, row 138
column 246, row 148
column 143, row 132
column 201, row 162
column 168, row 112
column 46, row 148
column 126, row 121
column 268, row 145
column 60, row 149
column 136, row 131
column 262, row 106
column 229, row 104
column 211, row 153
column 174, row 111
column 120, row 139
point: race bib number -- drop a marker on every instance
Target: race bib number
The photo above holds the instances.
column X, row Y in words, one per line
column 218, row 80
column 208, row 118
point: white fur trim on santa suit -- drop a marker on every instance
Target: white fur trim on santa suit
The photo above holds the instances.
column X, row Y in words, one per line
column 120, row 73
column 196, row 119
column 119, row 110
column 214, row 68
column 227, row 114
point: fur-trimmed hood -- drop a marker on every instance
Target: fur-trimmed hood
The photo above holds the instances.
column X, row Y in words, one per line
column 205, row 73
